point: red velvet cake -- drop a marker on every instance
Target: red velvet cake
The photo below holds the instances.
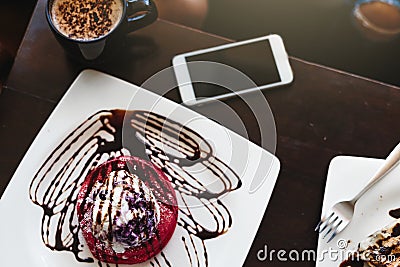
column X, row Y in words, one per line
column 127, row 210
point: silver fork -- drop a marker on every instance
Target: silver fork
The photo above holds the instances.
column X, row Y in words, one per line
column 339, row 216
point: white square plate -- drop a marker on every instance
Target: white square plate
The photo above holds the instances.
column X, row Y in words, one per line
column 20, row 227
column 346, row 177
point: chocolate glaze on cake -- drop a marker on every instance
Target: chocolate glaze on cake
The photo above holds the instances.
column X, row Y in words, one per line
column 56, row 184
column 381, row 249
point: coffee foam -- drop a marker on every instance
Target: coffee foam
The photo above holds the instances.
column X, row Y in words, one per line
column 86, row 19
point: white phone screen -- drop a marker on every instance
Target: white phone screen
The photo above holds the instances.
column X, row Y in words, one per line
column 253, row 59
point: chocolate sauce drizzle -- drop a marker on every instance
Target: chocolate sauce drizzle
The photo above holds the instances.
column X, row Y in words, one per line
column 355, row 261
column 395, row 213
column 170, row 146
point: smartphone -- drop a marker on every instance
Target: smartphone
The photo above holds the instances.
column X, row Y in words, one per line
column 264, row 60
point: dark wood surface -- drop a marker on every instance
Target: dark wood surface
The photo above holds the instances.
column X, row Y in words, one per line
column 322, row 114
column 325, row 32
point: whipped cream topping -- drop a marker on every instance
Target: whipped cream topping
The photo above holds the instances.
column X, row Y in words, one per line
column 125, row 211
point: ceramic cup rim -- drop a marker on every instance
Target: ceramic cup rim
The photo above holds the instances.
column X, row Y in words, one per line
column 80, row 41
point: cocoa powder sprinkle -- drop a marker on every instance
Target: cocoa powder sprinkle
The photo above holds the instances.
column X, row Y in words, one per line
column 86, row 19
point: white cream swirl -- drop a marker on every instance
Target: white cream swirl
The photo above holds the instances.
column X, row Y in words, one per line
column 125, row 211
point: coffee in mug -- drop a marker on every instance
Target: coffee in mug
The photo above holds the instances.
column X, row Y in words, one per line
column 87, row 28
column 86, row 19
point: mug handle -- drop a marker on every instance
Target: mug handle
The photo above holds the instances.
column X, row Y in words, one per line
column 140, row 13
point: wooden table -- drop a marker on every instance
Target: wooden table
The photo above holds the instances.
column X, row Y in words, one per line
column 323, row 113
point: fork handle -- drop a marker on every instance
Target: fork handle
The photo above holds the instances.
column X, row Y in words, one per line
column 391, row 161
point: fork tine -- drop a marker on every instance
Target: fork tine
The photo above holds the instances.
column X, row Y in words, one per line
column 334, row 231
column 319, row 224
column 323, row 220
column 333, row 227
column 328, row 222
column 330, row 228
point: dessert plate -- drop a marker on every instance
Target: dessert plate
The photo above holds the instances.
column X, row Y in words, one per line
column 39, row 224
column 346, row 175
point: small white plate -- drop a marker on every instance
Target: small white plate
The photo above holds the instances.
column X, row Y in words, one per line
column 20, row 225
column 346, row 176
